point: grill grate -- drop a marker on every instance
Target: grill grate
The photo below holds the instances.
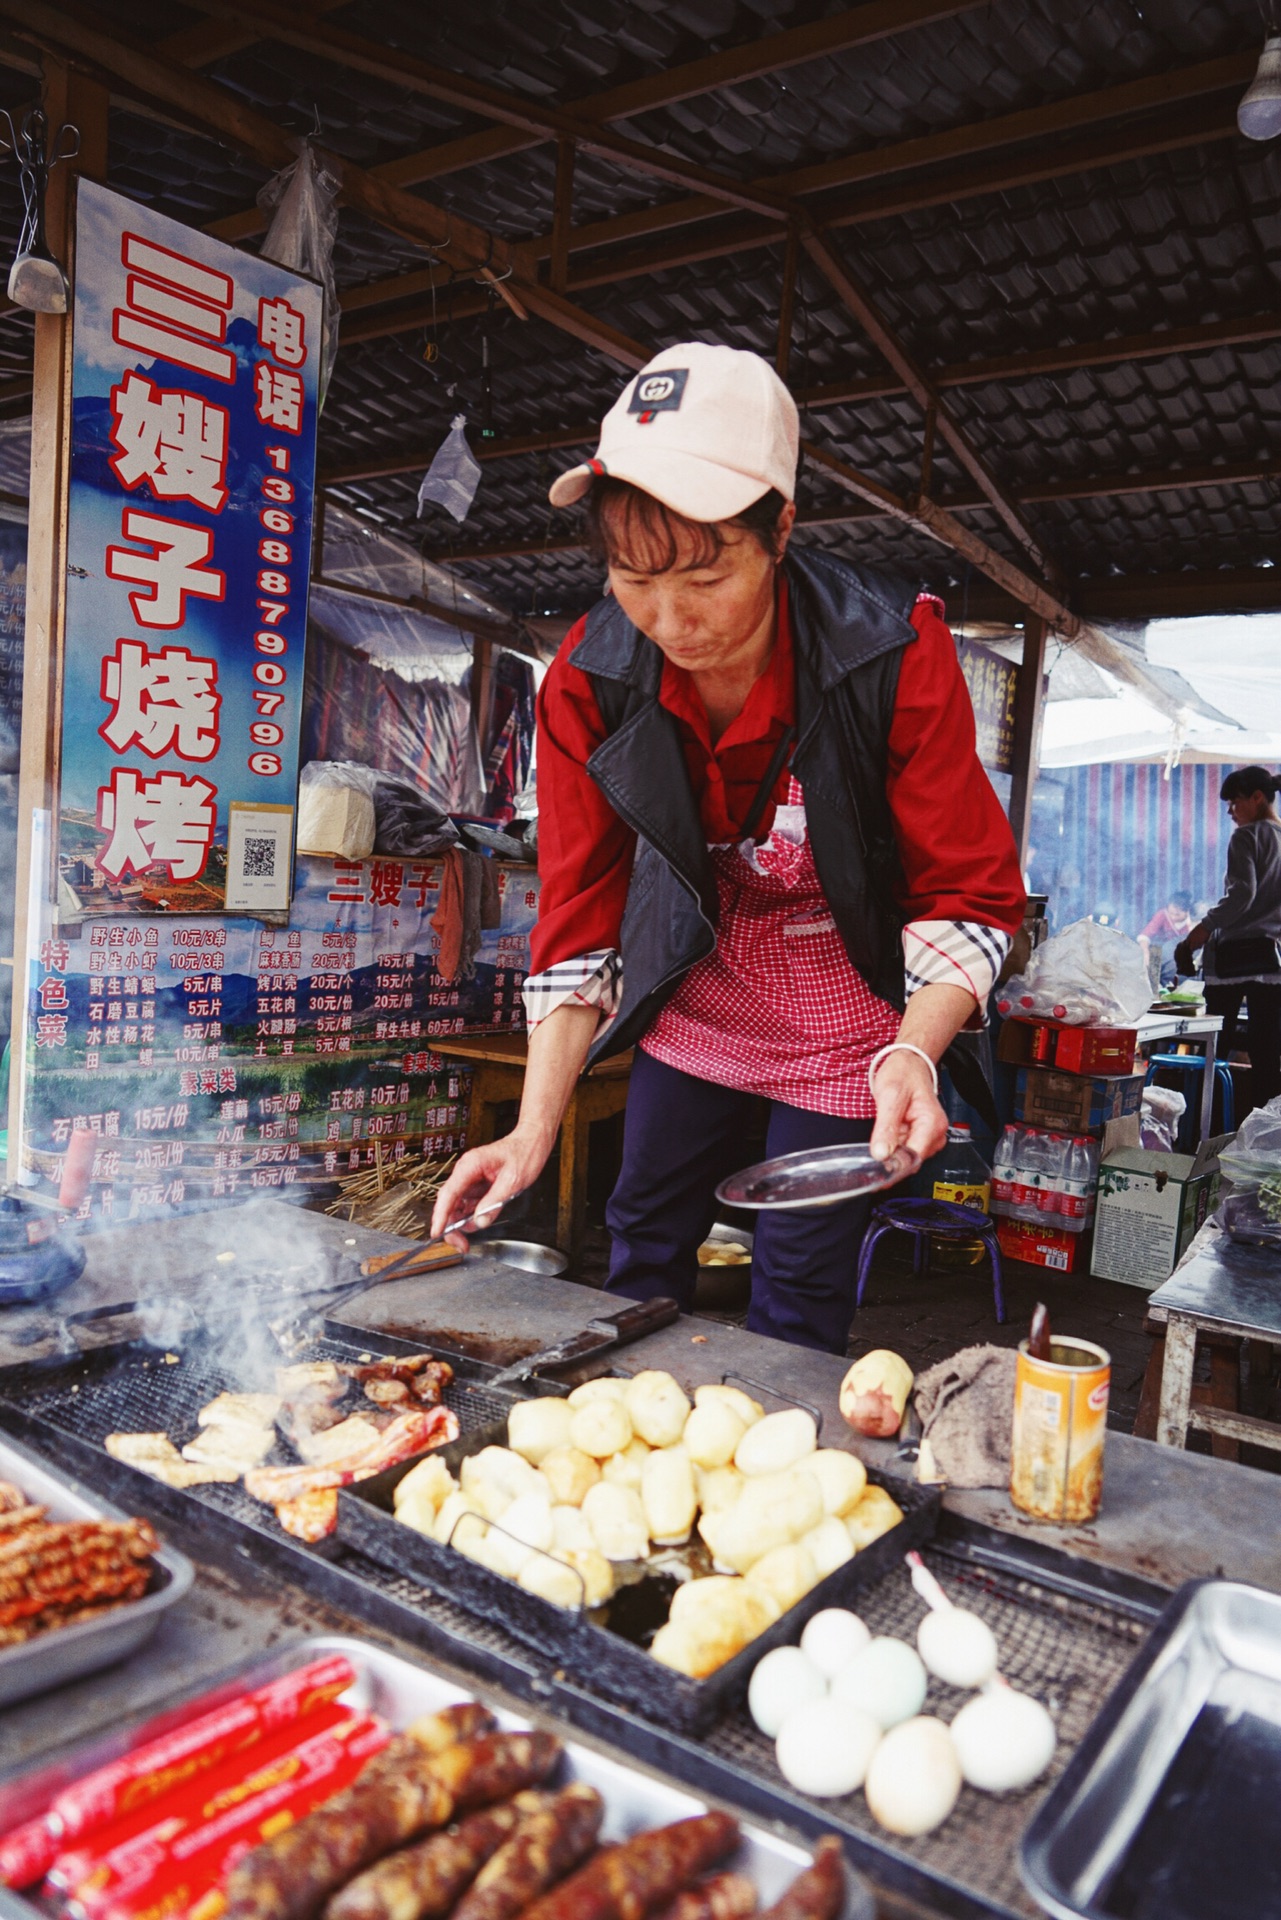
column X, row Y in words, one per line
column 1069, row 1653
column 146, row 1393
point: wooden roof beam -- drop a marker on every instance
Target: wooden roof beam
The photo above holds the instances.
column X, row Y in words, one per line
column 1003, row 369
column 773, row 53
column 862, row 308
column 66, row 30
column 878, row 502
column 1036, row 127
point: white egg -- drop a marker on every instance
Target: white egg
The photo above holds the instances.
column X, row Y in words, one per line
column 783, row 1680
column 1003, row 1740
column 914, row 1777
column 958, row 1647
column 832, row 1638
column 885, row 1678
column 824, row 1749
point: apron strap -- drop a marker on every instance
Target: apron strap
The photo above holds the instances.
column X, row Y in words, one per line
column 766, row 788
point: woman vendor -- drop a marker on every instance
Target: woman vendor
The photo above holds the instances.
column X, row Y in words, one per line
column 771, row 861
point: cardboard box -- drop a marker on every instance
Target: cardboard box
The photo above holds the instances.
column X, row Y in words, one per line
column 1042, row 1246
column 1072, row 1102
column 1126, row 1132
column 1047, row 1043
column 1149, row 1206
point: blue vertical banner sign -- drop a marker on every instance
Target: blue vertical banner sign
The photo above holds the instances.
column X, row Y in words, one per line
column 193, row 452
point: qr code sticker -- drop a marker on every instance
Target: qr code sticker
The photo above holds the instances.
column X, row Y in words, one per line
column 259, row 861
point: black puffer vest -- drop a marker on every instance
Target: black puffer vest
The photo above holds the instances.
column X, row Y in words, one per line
column 849, row 627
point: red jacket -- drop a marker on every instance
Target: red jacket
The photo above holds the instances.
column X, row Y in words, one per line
column 954, row 842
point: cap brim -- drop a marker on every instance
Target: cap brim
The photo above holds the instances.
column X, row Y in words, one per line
column 567, row 488
column 697, row 489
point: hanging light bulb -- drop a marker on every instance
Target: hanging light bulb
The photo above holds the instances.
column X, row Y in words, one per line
column 1259, row 114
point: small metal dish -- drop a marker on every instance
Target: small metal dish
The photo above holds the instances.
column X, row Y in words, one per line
column 818, row 1177
column 529, row 1255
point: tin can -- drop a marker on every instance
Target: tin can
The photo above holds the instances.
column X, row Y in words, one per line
column 1060, row 1419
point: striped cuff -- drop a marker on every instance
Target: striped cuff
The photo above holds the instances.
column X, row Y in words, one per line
column 954, row 953
column 591, row 980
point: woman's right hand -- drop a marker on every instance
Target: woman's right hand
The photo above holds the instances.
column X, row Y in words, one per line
column 484, row 1180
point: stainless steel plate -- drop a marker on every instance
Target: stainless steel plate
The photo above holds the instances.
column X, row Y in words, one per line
column 402, row 1690
column 1168, row 1809
column 820, row 1178
column 65, row 1653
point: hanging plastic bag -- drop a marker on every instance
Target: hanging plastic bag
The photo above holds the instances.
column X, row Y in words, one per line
column 1255, row 1154
column 453, row 476
column 1087, row 976
column 303, row 203
column 336, row 809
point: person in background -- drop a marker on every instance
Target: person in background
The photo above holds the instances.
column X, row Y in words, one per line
column 1170, row 923
column 770, row 858
column 1240, row 933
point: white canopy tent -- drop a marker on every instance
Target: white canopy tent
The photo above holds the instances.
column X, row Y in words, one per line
column 1231, row 665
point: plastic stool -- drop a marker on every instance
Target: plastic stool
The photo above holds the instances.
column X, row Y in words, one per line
column 1195, row 1063
column 922, row 1218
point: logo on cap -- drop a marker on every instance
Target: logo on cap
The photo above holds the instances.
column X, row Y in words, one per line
column 658, row 393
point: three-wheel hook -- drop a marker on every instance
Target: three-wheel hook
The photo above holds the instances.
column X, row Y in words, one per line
column 36, row 280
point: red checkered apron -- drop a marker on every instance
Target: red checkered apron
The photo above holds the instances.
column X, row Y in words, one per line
column 778, row 1009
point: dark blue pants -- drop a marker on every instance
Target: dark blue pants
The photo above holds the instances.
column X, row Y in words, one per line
column 681, row 1137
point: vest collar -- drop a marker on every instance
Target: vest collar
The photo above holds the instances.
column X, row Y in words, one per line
column 842, row 616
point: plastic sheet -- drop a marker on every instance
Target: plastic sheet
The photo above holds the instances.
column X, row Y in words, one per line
column 1088, row 976
column 303, row 203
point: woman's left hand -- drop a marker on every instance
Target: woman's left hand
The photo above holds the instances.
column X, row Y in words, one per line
column 908, row 1113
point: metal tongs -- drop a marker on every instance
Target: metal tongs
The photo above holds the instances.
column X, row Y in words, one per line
column 293, row 1331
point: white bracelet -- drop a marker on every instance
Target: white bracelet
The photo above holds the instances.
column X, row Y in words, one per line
column 900, row 1046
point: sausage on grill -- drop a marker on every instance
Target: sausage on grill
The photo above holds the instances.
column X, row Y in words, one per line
column 423, row 1882
column 726, row 1896
column 629, row 1881
column 819, row 1892
column 542, row 1851
column 401, row 1794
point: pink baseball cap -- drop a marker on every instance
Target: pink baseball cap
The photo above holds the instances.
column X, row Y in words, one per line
column 706, row 430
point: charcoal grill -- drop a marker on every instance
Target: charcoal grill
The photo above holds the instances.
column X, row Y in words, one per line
column 1064, row 1635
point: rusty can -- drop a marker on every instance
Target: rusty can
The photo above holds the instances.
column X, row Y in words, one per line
column 1060, row 1418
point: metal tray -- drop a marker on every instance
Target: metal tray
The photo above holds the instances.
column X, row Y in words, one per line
column 816, row 1177
column 402, row 1690
column 1168, row 1810
column 611, row 1660
column 65, row 1653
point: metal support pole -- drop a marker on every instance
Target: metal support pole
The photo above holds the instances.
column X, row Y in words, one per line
column 69, row 96
column 1029, row 705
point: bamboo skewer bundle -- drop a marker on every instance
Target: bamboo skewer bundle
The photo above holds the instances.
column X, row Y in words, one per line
column 395, row 1197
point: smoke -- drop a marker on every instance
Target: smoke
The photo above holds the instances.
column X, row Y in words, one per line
column 224, row 1278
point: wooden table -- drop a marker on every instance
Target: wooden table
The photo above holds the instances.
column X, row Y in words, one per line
column 498, row 1062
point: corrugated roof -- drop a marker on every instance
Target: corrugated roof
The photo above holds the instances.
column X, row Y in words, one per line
column 1150, row 236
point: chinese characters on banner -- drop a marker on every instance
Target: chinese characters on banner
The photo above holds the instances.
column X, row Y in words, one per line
column 189, row 546
column 991, row 681
column 218, row 1058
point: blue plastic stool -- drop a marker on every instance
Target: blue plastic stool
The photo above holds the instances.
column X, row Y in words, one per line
column 923, row 1218
column 1195, row 1063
